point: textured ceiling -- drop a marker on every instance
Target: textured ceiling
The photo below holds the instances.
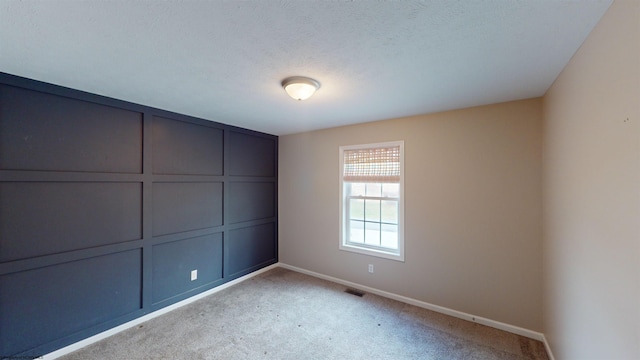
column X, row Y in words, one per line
column 224, row 60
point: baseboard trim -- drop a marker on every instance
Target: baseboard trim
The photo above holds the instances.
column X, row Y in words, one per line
column 548, row 348
column 440, row 309
column 105, row 334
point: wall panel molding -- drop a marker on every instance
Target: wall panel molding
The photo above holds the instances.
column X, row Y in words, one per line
column 107, row 206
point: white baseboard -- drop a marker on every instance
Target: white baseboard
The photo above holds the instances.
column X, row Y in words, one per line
column 440, row 309
column 548, row 348
column 105, row 334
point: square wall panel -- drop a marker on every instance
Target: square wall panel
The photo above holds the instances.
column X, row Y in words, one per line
column 251, row 155
column 251, row 201
column 40, row 131
column 173, row 263
column 186, row 148
column 184, row 206
column 40, row 218
column 40, row 305
column 249, row 247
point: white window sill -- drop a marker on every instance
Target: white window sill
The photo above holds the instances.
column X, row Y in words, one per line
column 373, row 252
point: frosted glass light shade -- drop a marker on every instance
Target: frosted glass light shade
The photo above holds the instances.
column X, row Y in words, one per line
column 299, row 87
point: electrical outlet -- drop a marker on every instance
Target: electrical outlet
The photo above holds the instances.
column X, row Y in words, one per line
column 194, row 275
column 371, row 268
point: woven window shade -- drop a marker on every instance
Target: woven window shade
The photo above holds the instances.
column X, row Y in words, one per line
column 379, row 165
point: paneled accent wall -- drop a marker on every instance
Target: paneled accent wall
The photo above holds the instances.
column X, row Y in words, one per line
column 106, row 207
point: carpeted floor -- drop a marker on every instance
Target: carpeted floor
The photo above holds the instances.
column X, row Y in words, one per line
column 282, row 314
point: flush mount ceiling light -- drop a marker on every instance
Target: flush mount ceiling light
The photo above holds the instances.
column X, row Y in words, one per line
column 300, row 87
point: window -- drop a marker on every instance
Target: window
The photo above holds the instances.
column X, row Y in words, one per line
column 371, row 199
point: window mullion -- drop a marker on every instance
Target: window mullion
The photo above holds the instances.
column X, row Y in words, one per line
column 364, row 218
column 379, row 222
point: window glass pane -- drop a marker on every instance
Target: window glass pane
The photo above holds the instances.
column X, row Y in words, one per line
column 391, row 190
column 374, row 189
column 356, row 209
column 372, row 233
column 389, row 211
column 372, row 210
column 389, row 236
column 357, row 189
column 356, row 231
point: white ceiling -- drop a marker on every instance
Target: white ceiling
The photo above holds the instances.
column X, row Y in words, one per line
column 224, row 60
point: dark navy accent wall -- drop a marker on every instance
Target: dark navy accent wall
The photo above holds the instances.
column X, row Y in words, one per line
column 106, row 207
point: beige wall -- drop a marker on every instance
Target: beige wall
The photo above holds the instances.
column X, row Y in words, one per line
column 592, row 195
column 473, row 209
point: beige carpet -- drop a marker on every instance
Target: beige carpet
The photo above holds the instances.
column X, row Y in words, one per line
column 282, row 314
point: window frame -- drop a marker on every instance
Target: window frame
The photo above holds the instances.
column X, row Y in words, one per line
column 372, row 250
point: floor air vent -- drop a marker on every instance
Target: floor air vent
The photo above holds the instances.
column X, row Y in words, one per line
column 354, row 292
